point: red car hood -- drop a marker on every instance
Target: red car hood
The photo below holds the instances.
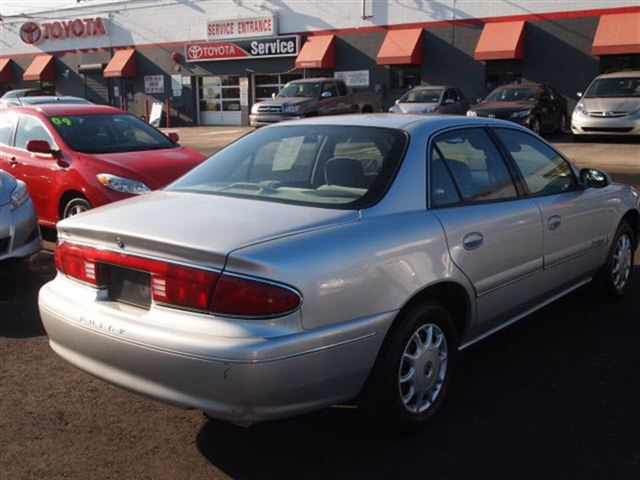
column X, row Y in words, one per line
column 155, row 168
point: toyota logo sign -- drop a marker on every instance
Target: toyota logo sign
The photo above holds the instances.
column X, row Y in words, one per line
column 30, row 32
column 195, row 52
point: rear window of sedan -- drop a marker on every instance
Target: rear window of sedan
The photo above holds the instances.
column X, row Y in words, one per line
column 323, row 165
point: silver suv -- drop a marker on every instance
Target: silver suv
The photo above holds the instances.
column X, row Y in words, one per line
column 610, row 106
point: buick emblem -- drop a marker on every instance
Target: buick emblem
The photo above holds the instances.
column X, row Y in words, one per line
column 119, row 242
column 609, row 114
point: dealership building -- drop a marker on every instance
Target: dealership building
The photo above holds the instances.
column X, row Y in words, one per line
column 209, row 61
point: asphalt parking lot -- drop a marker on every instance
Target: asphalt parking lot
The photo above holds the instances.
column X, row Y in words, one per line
column 557, row 395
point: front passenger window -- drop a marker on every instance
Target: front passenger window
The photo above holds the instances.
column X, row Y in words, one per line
column 30, row 128
column 545, row 172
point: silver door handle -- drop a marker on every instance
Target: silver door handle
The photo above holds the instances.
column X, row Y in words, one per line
column 554, row 222
column 472, row 240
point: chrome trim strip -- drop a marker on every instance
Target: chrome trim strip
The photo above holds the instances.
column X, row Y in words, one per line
column 526, row 313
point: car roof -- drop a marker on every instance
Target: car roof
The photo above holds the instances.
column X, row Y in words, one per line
column 315, row 79
column 520, row 85
column 623, row 73
column 400, row 121
column 422, row 87
column 17, row 92
column 55, row 109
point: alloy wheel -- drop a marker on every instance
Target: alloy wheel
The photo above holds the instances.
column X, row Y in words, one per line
column 423, row 368
column 622, row 261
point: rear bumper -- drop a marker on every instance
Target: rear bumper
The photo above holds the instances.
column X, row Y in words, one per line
column 623, row 126
column 23, row 237
column 246, row 378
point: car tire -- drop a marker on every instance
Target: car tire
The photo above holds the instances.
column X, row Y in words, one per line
column 614, row 278
column 562, row 125
column 536, row 126
column 423, row 341
column 75, row 206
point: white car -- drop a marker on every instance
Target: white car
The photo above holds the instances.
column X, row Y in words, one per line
column 19, row 232
column 610, row 106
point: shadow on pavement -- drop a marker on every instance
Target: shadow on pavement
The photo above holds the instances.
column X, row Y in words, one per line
column 556, row 395
column 20, row 282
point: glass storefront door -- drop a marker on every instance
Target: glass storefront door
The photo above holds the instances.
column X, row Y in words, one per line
column 219, row 100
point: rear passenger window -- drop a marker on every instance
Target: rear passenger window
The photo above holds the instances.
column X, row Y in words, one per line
column 474, row 162
column 443, row 190
column 342, row 88
column 544, row 171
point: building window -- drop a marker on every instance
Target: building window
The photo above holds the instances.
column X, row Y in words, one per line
column 267, row 84
column 405, row 76
column 502, row 72
column 614, row 63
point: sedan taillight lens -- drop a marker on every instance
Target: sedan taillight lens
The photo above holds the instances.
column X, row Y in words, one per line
column 179, row 285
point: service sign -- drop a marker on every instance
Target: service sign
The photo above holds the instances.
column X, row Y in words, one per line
column 32, row 32
column 263, row 26
column 286, row 46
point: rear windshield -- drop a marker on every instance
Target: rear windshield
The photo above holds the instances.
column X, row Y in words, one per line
column 108, row 133
column 331, row 166
column 513, row 95
column 422, row 95
column 615, row 87
column 301, row 89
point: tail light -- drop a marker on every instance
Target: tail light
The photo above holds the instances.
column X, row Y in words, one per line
column 179, row 285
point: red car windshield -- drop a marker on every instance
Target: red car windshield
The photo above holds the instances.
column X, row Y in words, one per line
column 108, row 133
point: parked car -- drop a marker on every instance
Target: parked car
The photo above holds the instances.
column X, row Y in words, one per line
column 19, row 232
column 432, row 99
column 610, row 106
column 538, row 107
column 311, row 263
column 312, row 97
column 14, row 97
column 75, row 157
column 42, row 99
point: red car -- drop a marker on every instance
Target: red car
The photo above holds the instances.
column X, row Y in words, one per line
column 75, row 157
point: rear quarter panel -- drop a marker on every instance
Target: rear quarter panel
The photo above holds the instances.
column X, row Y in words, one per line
column 354, row 270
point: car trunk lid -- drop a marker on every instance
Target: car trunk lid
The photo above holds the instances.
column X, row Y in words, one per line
column 198, row 229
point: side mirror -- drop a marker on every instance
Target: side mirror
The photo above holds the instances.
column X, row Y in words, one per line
column 273, row 95
column 579, row 94
column 449, row 101
column 326, row 94
column 592, row 178
column 397, row 100
column 173, row 136
column 39, row 146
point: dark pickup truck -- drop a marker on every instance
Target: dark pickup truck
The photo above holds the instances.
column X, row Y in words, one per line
column 312, row 97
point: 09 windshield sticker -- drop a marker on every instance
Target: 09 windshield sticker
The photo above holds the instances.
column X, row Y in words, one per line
column 57, row 121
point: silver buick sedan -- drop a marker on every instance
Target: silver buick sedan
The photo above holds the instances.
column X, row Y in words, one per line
column 316, row 261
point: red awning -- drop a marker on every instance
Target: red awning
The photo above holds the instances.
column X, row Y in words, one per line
column 42, row 68
column 401, row 47
column 501, row 41
column 317, row 52
column 618, row 33
column 122, row 64
column 5, row 70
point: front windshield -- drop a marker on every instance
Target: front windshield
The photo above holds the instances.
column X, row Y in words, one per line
column 422, row 95
column 525, row 94
column 108, row 133
column 39, row 100
column 614, row 87
column 300, row 89
column 331, row 166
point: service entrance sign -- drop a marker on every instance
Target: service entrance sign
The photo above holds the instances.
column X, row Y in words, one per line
column 286, row 46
